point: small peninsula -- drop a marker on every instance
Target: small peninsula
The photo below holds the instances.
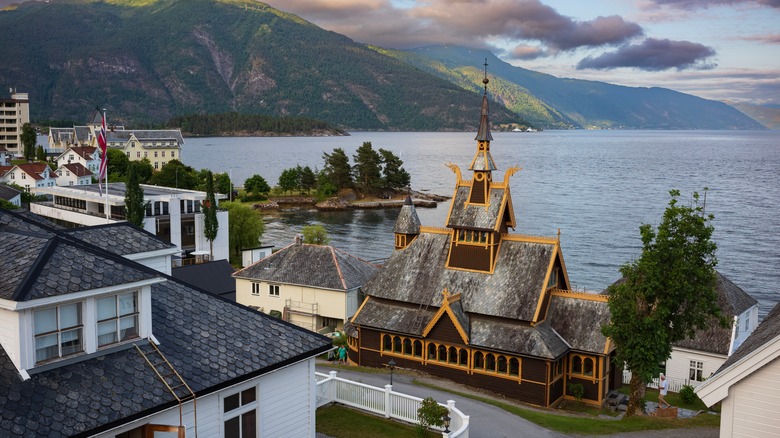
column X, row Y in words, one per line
column 234, row 124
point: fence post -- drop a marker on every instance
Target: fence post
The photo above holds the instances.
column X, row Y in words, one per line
column 388, row 407
column 332, row 387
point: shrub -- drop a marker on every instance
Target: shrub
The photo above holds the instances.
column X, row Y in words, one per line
column 687, row 395
column 430, row 413
column 576, row 390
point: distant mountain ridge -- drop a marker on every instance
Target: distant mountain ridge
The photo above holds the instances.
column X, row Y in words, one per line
column 767, row 115
column 554, row 102
column 149, row 60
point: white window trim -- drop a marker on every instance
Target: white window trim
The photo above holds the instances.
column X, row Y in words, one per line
column 255, row 288
column 272, row 288
column 253, row 406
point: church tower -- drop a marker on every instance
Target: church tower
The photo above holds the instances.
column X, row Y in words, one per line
column 481, row 210
column 407, row 226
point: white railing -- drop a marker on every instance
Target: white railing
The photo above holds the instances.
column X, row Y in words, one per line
column 673, row 385
column 385, row 402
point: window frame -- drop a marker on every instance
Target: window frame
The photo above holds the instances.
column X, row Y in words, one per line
column 696, row 369
column 240, row 410
column 58, row 331
column 273, row 290
column 255, row 291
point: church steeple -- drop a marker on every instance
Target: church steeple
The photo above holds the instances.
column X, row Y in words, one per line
column 482, row 164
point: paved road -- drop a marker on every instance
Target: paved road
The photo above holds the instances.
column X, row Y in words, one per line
column 488, row 421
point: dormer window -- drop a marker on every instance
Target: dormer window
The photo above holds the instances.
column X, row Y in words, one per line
column 117, row 318
column 58, row 332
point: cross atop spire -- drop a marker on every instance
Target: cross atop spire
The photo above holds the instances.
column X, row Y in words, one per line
column 485, row 80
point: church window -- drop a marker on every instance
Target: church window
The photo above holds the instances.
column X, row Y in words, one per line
column 490, row 362
column 514, row 367
column 576, row 365
column 397, row 347
column 452, row 355
column 442, row 353
column 463, row 358
column 417, row 348
column 387, row 343
column 502, row 365
column 587, row 366
column 407, row 346
column 431, row 351
column 553, row 282
column 479, row 360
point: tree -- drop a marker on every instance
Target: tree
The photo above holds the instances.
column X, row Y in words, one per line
column 256, row 184
column 222, row 183
column 144, row 170
column 7, row 205
column 210, row 223
column 135, row 208
column 664, row 295
column 28, row 138
column 337, row 169
column 430, row 413
column 289, row 179
column 308, row 179
column 176, row 174
column 245, row 226
column 315, row 235
column 40, row 153
column 394, row 176
column 116, row 168
column 368, row 169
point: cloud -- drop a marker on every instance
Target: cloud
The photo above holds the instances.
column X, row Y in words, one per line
column 768, row 39
column 523, row 52
column 465, row 22
column 653, row 55
column 704, row 4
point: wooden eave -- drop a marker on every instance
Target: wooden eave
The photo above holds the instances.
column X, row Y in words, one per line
column 445, row 308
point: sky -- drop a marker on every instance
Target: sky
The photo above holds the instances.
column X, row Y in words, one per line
column 715, row 49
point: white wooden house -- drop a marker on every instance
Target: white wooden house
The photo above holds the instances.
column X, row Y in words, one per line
column 748, row 383
column 30, row 176
column 95, row 344
column 87, row 156
column 74, row 174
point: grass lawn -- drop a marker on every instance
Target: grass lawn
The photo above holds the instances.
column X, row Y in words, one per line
column 585, row 425
column 343, row 422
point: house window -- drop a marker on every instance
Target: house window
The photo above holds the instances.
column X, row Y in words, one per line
column 58, row 332
column 128, row 154
column 163, row 153
column 156, row 166
column 173, row 154
column 239, row 413
column 696, row 371
column 138, row 154
column 155, row 154
column 255, row 288
column 273, row 290
column 117, row 317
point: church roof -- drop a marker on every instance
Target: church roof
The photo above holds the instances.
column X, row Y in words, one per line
column 473, row 216
column 408, row 222
column 538, row 341
column 394, row 316
column 484, row 124
column 578, row 318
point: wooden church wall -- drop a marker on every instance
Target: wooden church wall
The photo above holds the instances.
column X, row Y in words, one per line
column 445, row 331
column 476, row 257
column 556, row 390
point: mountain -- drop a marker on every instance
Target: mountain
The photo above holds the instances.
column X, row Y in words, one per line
column 149, row 60
column 554, row 102
column 767, row 115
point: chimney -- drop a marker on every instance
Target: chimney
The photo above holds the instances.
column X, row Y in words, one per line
column 299, row 239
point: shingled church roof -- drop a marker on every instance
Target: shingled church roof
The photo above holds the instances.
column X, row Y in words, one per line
column 408, row 222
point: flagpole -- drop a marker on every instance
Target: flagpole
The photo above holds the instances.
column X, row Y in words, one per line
column 105, row 169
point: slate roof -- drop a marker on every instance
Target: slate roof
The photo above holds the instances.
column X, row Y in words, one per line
column 213, row 343
column 483, row 134
column 394, row 316
column 318, row 266
column 418, row 275
column 768, row 330
column 473, row 216
column 408, row 222
column 145, row 135
column 8, row 193
column 82, row 133
column 579, row 322
column 121, row 238
column 213, row 277
column 509, row 336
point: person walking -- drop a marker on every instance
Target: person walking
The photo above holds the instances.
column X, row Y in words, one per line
column 663, row 387
column 342, row 355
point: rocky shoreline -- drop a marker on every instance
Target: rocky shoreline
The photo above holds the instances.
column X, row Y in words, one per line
column 341, row 203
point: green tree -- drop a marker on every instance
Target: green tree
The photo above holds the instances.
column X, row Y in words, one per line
column 28, row 138
column 308, row 179
column 337, row 169
column 176, row 174
column 222, row 183
column 315, row 235
column 245, row 226
column 367, row 169
column 144, row 170
column 394, row 176
column 289, row 179
column 116, row 167
column 7, row 205
column 135, row 208
column 40, row 153
column 256, row 184
column 210, row 223
column 665, row 295
column 430, row 413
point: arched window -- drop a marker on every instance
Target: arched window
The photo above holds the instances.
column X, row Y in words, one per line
column 490, row 362
column 502, row 364
column 576, row 365
column 387, row 343
column 479, row 360
column 514, row 367
column 587, row 366
column 431, row 351
column 442, row 353
column 452, row 357
column 418, row 348
column 463, row 358
column 397, row 345
column 407, row 347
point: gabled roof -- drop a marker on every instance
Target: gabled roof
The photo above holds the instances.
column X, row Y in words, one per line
column 539, row 341
column 578, row 318
column 77, row 169
column 393, row 316
column 473, row 216
column 121, row 238
column 7, row 192
column 407, row 222
column 84, row 152
column 33, row 169
column 40, row 262
column 145, row 135
column 82, row 133
column 213, row 277
column 311, row 265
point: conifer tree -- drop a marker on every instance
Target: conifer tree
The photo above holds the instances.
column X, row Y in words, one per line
column 367, row 169
column 210, row 223
column 28, row 138
column 337, row 169
column 395, row 177
column 135, row 208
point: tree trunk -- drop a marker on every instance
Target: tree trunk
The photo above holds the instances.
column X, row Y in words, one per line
column 211, row 250
column 636, row 396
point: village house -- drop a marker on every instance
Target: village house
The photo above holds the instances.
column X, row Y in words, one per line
column 95, row 344
column 73, row 175
column 30, row 176
column 87, row 156
column 174, row 215
column 11, row 195
column 748, row 383
column 479, row 305
column 317, row 287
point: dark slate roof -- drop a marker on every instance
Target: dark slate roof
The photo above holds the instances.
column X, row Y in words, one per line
column 82, row 133
column 768, row 330
column 484, row 123
column 579, row 321
column 418, row 275
column 394, row 316
column 509, row 336
column 460, row 316
column 39, row 262
column 146, row 135
column 213, row 277
column 736, row 300
column 475, row 216
column 482, row 161
column 311, row 265
column 122, row 238
column 408, row 222
column 8, row 193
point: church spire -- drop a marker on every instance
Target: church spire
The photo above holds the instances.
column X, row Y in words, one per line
column 484, row 124
column 483, row 162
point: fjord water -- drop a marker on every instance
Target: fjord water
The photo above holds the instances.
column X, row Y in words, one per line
column 597, row 187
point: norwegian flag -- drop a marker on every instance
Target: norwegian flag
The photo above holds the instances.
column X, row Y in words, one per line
column 103, row 155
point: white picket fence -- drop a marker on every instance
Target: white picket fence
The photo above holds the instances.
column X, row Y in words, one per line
column 385, row 402
column 673, row 385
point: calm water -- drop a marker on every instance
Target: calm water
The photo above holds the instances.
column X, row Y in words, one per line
column 596, row 186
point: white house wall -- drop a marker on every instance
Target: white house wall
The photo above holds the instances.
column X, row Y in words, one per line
column 10, row 335
column 69, row 216
column 678, row 365
column 286, row 406
column 752, row 406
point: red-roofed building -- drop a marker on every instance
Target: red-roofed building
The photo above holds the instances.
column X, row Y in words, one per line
column 73, row 174
column 87, row 156
column 30, row 176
